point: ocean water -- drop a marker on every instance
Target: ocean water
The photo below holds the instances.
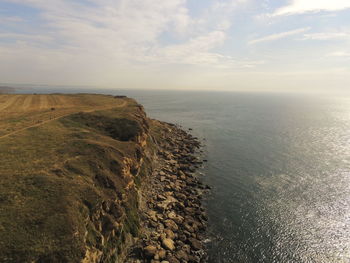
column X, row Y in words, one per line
column 279, row 165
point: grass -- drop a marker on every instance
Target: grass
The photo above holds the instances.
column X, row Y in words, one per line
column 56, row 177
column 21, row 111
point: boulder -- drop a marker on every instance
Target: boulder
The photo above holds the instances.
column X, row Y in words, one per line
column 195, row 243
column 168, row 244
column 171, row 224
column 170, row 234
column 162, row 254
column 150, row 251
column 181, row 255
column 172, row 259
column 171, row 215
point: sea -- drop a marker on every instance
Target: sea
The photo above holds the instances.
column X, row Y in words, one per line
column 279, row 168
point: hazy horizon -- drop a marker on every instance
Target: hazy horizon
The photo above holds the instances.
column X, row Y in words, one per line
column 224, row 45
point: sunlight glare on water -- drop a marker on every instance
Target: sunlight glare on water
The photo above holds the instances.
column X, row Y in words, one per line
column 279, row 165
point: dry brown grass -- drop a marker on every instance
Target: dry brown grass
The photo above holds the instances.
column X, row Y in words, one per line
column 18, row 112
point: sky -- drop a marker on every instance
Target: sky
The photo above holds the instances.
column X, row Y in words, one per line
column 282, row 45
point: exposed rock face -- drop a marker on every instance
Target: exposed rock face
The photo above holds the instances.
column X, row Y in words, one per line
column 169, row 198
column 173, row 218
column 111, row 227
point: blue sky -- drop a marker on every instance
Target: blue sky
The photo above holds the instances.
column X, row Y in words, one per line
column 300, row 45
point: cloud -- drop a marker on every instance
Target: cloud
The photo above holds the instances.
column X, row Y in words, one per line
column 341, row 54
column 94, row 41
column 10, row 19
column 26, row 37
column 192, row 51
column 277, row 36
column 305, row 6
column 326, row 36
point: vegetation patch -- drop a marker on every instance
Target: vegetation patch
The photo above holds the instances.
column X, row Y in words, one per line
column 121, row 129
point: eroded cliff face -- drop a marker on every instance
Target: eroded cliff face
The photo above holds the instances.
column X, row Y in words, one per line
column 113, row 223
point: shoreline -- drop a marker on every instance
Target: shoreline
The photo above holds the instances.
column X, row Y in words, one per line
column 173, row 220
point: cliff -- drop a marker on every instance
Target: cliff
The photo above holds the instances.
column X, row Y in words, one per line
column 71, row 186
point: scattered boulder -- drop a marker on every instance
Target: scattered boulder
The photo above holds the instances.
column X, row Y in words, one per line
column 150, row 251
column 176, row 219
column 168, row 244
column 195, row 243
column 169, row 234
column 181, row 255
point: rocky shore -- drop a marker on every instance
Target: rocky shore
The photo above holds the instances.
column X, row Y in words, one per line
column 173, row 221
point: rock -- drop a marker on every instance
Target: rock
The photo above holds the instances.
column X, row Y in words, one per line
column 181, row 255
column 161, row 197
column 162, row 206
column 153, row 224
column 150, row 251
column 171, row 224
column 181, row 173
column 178, row 220
column 194, row 259
column 168, row 244
column 195, row 244
column 179, row 243
column 186, row 248
column 160, row 227
column 162, row 254
column 152, row 215
column 169, row 234
column 182, row 237
column 172, row 259
column 172, row 215
column 156, row 257
column 189, row 228
column 162, row 236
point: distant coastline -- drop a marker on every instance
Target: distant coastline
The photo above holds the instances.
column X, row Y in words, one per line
column 7, row 89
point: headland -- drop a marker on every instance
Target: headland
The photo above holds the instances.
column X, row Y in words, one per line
column 90, row 178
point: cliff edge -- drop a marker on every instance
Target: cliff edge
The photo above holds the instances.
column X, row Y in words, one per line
column 72, row 179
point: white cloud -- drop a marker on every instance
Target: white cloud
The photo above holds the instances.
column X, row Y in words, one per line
column 326, row 36
column 304, row 6
column 341, row 54
column 201, row 44
column 106, row 40
column 277, row 36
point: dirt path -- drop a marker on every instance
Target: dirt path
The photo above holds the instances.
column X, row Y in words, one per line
column 59, row 117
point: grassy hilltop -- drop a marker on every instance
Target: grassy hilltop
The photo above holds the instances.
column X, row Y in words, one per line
column 69, row 170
